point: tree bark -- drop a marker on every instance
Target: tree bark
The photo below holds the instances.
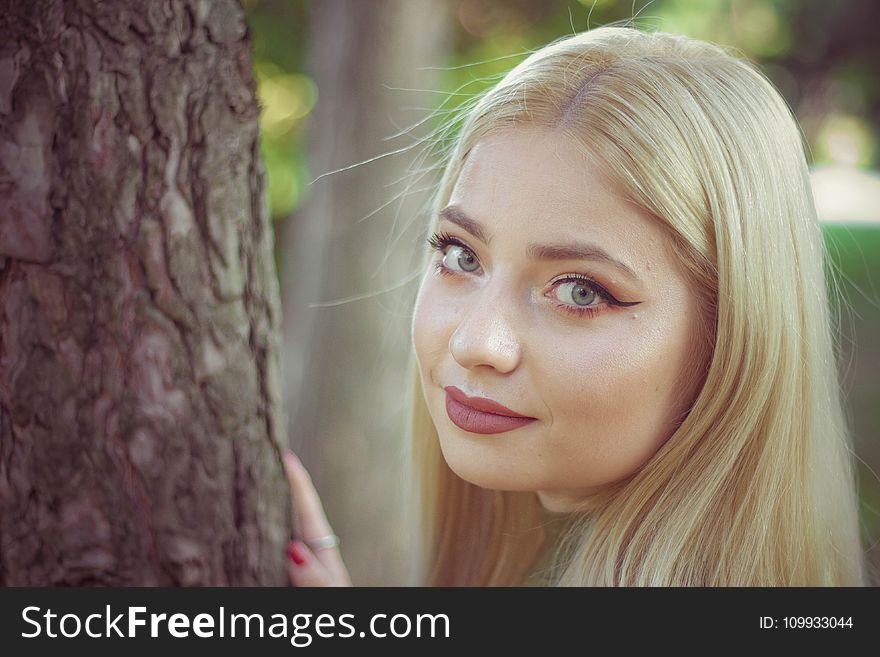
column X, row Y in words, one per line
column 141, row 417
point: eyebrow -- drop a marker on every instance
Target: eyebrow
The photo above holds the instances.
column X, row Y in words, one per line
column 535, row 251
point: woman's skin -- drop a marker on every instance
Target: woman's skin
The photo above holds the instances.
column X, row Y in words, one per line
column 606, row 384
column 306, row 567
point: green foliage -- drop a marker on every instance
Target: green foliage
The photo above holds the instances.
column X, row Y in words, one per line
column 287, row 95
column 855, row 252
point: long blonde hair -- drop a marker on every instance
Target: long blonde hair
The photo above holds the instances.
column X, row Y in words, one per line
column 756, row 486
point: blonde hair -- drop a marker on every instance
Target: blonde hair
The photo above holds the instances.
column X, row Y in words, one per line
column 756, row 485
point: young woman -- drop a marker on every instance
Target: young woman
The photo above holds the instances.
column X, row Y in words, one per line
column 623, row 321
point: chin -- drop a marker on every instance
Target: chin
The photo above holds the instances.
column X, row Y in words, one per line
column 479, row 471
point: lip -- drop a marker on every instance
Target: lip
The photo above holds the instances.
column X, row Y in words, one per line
column 482, row 404
column 478, row 415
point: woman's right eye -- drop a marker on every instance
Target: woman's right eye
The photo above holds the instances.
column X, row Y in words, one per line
column 458, row 258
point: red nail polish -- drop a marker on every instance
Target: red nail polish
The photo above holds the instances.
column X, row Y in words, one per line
column 296, row 553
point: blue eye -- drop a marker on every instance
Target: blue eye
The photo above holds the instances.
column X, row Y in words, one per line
column 462, row 258
column 580, row 292
column 587, row 297
column 582, row 296
column 458, row 257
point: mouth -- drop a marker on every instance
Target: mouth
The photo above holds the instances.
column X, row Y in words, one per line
column 479, row 415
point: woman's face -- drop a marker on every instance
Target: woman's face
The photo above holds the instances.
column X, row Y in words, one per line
column 552, row 296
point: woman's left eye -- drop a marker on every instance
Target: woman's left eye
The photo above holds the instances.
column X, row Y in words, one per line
column 580, row 293
column 581, row 296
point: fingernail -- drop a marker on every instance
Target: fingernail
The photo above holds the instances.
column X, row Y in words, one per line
column 296, row 553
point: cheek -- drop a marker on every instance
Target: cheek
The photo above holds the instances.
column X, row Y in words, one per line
column 617, row 389
column 431, row 325
column 584, row 379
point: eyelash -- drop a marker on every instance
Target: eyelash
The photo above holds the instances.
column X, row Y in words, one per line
column 439, row 242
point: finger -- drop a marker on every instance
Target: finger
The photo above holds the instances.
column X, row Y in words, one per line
column 303, row 569
column 312, row 519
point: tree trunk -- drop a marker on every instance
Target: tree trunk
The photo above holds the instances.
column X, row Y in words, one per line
column 140, row 407
column 347, row 346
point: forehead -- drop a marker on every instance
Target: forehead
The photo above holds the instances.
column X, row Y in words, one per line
column 532, row 185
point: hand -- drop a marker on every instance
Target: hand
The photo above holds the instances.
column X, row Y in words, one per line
column 319, row 566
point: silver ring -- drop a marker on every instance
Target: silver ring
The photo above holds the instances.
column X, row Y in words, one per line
column 323, row 542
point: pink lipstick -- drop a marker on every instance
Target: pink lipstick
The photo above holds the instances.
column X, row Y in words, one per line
column 479, row 415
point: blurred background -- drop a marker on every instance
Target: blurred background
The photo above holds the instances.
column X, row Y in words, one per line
column 351, row 88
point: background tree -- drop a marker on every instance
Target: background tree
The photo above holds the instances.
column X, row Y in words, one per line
column 349, row 254
column 140, row 404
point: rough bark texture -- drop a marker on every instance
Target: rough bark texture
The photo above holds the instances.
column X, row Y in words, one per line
column 346, row 374
column 140, row 406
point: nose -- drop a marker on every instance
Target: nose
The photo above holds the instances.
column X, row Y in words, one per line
column 485, row 337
